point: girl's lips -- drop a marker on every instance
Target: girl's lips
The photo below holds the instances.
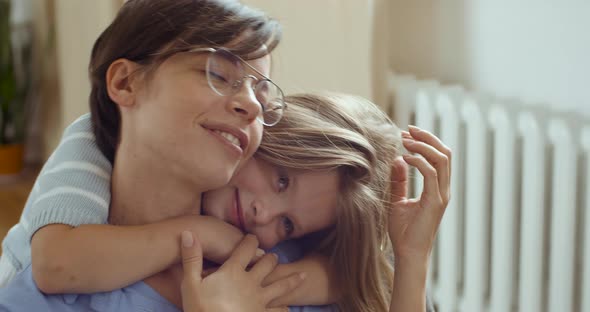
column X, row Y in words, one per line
column 239, row 213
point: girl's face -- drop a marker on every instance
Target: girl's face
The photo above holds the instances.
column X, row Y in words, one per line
column 275, row 204
column 198, row 134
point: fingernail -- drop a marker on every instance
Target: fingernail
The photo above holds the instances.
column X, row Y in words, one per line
column 259, row 252
column 302, row 275
column 187, row 239
column 407, row 141
column 413, row 128
column 406, row 134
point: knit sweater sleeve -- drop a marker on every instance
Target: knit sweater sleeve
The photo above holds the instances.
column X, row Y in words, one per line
column 73, row 187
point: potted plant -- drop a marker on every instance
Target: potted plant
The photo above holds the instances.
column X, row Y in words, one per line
column 14, row 89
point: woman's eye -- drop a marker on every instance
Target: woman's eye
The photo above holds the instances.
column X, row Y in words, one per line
column 283, row 182
column 288, row 225
column 216, row 76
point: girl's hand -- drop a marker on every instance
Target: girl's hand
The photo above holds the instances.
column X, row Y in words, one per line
column 231, row 288
column 218, row 238
column 413, row 223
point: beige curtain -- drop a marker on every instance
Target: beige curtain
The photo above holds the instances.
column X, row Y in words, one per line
column 64, row 57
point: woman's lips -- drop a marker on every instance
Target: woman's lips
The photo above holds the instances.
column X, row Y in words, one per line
column 234, row 149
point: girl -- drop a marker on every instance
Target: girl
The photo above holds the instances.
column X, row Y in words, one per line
column 331, row 166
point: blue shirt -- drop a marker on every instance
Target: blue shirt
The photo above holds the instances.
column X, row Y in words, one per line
column 22, row 294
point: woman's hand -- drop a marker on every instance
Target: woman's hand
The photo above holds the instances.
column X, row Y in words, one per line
column 413, row 223
column 232, row 287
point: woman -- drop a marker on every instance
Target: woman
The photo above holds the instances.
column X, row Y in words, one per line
column 162, row 64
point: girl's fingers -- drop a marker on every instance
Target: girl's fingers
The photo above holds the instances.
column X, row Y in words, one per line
column 399, row 180
column 430, row 139
column 244, row 253
column 436, row 158
column 264, row 266
column 431, row 189
column 282, row 287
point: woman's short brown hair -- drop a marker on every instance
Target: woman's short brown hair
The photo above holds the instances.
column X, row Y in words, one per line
column 149, row 31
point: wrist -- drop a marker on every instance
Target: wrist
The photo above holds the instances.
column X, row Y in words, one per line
column 415, row 264
column 420, row 254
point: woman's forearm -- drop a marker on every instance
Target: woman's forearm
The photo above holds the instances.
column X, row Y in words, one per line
column 409, row 285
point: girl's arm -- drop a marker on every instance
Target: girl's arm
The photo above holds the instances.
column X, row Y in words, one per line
column 413, row 223
column 409, row 284
column 318, row 288
column 95, row 258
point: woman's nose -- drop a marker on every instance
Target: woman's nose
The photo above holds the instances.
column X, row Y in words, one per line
column 244, row 101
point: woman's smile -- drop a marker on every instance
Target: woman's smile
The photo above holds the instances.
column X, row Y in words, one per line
column 235, row 140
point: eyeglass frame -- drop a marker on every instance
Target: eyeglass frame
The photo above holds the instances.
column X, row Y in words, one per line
column 239, row 82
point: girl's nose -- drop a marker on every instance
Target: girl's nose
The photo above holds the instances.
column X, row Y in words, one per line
column 263, row 215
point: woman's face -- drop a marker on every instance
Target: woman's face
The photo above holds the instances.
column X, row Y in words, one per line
column 275, row 204
column 195, row 132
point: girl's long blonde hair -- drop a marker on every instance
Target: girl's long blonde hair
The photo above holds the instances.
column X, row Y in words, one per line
column 353, row 136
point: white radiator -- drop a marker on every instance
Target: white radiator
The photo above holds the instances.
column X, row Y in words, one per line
column 516, row 234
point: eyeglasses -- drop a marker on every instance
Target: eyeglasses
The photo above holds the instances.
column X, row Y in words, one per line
column 226, row 73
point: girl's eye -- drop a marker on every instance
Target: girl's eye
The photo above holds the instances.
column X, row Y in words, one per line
column 288, row 225
column 283, row 182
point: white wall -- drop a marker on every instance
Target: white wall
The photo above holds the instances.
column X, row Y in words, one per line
column 534, row 51
column 326, row 44
column 78, row 24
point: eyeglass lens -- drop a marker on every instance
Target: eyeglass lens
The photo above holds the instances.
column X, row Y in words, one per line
column 226, row 74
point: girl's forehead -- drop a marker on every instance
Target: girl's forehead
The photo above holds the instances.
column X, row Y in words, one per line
column 314, row 200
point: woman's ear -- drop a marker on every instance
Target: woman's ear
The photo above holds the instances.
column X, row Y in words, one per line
column 121, row 82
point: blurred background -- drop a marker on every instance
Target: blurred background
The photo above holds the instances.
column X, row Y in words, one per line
column 504, row 83
column 530, row 51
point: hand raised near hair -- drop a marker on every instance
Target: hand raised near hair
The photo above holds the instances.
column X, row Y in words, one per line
column 413, row 223
column 231, row 288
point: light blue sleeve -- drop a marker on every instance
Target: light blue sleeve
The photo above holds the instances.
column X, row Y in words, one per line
column 73, row 188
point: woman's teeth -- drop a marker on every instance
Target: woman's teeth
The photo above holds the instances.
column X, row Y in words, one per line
column 230, row 137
